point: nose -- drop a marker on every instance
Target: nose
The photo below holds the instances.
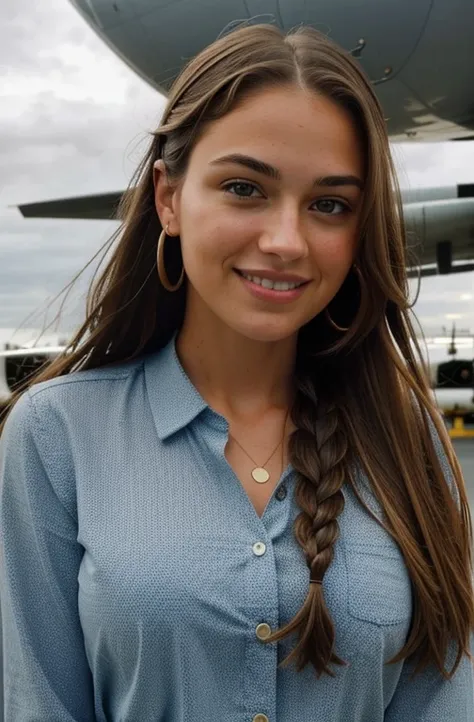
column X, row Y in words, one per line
column 285, row 238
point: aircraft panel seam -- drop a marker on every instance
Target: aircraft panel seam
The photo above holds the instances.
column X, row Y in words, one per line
column 417, row 42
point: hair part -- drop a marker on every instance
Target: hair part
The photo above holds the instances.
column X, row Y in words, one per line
column 363, row 398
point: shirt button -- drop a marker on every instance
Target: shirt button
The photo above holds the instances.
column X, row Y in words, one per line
column 263, row 630
column 260, row 718
column 281, row 493
column 259, row 548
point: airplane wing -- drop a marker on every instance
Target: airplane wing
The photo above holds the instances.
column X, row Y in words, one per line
column 422, row 271
column 439, row 222
column 102, row 206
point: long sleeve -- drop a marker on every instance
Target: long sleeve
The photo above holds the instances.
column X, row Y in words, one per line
column 430, row 698
column 46, row 674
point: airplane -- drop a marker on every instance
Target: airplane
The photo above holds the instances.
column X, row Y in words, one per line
column 16, row 364
column 452, row 382
column 419, row 55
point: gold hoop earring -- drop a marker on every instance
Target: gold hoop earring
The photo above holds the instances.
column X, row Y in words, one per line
column 334, row 325
column 161, row 264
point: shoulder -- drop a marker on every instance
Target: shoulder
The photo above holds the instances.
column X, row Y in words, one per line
column 83, row 382
column 56, row 422
column 54, row 408
column 83, row 391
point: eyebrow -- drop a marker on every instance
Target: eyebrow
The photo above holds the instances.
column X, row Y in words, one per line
column 259, row 166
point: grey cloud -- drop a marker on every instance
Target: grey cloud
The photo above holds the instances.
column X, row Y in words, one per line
column 54, row 144
column 24, row 25
column 39, row 258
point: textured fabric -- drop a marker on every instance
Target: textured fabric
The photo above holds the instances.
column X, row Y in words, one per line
column 135, row 571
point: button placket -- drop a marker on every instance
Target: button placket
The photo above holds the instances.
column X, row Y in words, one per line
column 261, row 658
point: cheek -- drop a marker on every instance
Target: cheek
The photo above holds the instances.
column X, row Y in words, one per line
column 210, row 233
column 207, row 245
column 333, row 252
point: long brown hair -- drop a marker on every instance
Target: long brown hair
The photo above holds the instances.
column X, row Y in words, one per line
column 362, row 395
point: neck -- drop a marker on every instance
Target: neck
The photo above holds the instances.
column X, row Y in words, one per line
column 241, row 378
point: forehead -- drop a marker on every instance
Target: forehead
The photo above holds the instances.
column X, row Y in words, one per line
column 288, row 127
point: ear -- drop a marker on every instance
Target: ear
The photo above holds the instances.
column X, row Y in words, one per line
column 165, row 198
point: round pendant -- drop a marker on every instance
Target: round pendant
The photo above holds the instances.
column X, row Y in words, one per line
column 260, row 475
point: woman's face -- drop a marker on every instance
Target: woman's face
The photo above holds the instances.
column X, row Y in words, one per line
column 272, row 195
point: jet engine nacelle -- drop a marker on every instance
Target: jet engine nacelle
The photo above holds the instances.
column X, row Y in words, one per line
column 17, row 364
column 455, row 374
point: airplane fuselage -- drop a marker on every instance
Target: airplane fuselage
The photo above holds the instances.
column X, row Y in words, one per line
column 420, row 54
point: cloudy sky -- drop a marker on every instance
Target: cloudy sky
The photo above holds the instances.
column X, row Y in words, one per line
column 74, row 120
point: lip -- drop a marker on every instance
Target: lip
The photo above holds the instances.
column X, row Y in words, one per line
column 268, row 294
column 273, row 275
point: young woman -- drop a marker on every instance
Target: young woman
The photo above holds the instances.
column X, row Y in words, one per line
column 232, row 498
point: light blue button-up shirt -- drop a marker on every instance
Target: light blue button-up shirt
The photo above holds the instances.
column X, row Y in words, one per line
column 135, row 572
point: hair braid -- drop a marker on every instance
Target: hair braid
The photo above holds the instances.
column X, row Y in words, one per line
column 318, row 450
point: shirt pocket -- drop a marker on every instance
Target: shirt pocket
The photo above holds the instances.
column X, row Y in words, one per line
column 379, row 586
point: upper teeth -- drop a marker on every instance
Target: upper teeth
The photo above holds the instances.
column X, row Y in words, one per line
column 266, row 283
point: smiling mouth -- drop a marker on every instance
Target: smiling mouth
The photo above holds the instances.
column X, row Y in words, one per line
column 271, row 285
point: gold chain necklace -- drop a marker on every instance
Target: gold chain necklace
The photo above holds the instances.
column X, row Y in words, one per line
column 259, row 473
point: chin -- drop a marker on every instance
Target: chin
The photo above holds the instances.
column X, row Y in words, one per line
column 266, row 333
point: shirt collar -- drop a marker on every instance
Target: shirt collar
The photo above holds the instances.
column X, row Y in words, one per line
column 174, row 401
